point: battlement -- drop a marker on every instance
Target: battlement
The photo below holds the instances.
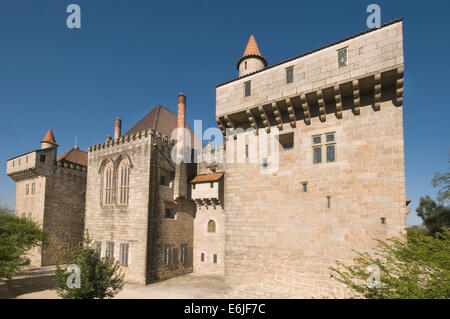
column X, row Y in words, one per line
column 131, row 138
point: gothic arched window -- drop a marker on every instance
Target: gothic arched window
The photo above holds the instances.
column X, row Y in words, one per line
column 211, row 226
column 124, row 182
column 108, row 198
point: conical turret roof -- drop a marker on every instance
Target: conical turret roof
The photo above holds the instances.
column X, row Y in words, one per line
column 252, row 51
column 49, row 138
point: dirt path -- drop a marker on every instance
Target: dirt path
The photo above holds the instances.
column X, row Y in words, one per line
column 38, row 283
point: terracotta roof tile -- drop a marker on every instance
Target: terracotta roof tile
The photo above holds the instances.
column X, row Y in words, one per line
column 49, row 137
column 74, row 155
column 252, row 47
column 207, row 178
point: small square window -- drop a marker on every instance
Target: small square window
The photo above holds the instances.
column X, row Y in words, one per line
column 330, row 137
column 317, row 139
column 342, row 57
column 383, row 220
column 42, row 158
column 290, row 74
column 247, row 88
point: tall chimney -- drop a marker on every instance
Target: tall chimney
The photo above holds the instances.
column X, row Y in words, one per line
column 180, row 182
column 181, row 120
column 117, row 128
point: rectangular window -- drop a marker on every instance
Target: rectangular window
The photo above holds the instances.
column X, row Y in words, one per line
column 42, row 158
column 331, row 153
column 329, row 201
column 215, row 258
column 383, row 220
column 109, row 250
column 246, row 151
column 211, row 185
column 342, row 57
column 317, row 155
column 98, row 247
column 290, row 74
column 265, row 163
column 193, row 186
column 33, row 188
column 167, row 258
column 286, row 140
column 305, row 187
column 183, row 257
column 124, row 254
column 27, row 189
column 202, row 257
column 29, row 217
column 247, row 88
column 328, row 145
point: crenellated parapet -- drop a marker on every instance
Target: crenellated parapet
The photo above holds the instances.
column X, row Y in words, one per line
column 164, row 140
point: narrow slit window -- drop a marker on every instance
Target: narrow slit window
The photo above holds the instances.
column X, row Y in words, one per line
column 202, row 257
column 124, row 187
column 215, row 258
column 328, row 201
column 247, row 88
column 183, row 257
column 305, row 187
column 290, row 74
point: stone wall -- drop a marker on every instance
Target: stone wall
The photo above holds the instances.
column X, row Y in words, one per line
column 64, row 214
column 371, row 52
column 280, row 242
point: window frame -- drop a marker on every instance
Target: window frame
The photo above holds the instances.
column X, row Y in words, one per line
column 123, row 187
column 108, row 185
column 109, row 251
column 123, row 254
column 211, row 229
column 344, row 49
column 323, row 146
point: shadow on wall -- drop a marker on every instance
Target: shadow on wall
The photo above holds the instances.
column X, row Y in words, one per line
column 32, row 280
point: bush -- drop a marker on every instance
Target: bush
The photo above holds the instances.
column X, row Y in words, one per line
column 416, row 266
column 99, row 277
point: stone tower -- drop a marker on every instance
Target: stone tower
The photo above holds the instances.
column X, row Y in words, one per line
column 337, row 181
column 252, row 60
column 50, row 190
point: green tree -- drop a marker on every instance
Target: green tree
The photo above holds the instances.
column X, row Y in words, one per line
column 17, row 236
column 434, row 215
column 416, row 266
column 99, row 277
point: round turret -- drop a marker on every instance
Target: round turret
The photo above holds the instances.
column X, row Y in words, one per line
column 252, row 60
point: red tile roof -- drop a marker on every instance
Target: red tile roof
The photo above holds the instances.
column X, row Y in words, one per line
column 207, row 178
column 252, row 47
column 74, row 155
column 49, row 138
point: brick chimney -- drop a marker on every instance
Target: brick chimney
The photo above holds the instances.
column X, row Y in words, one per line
column 117, row 128
column 180, row 182
column 181, row 120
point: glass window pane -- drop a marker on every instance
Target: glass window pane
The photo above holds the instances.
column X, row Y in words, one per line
column 330, row 137
column 290, row 74
column 317, row 155
column 317, row 139
column 331, row 154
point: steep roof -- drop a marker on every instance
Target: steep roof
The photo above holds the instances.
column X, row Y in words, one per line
column 207, row 178
column 49, row 138
column 162, row 120
column 252, row 51
column 74, row 155
column 252, row 47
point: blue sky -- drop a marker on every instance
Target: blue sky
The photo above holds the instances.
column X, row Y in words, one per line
column 131, row 55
